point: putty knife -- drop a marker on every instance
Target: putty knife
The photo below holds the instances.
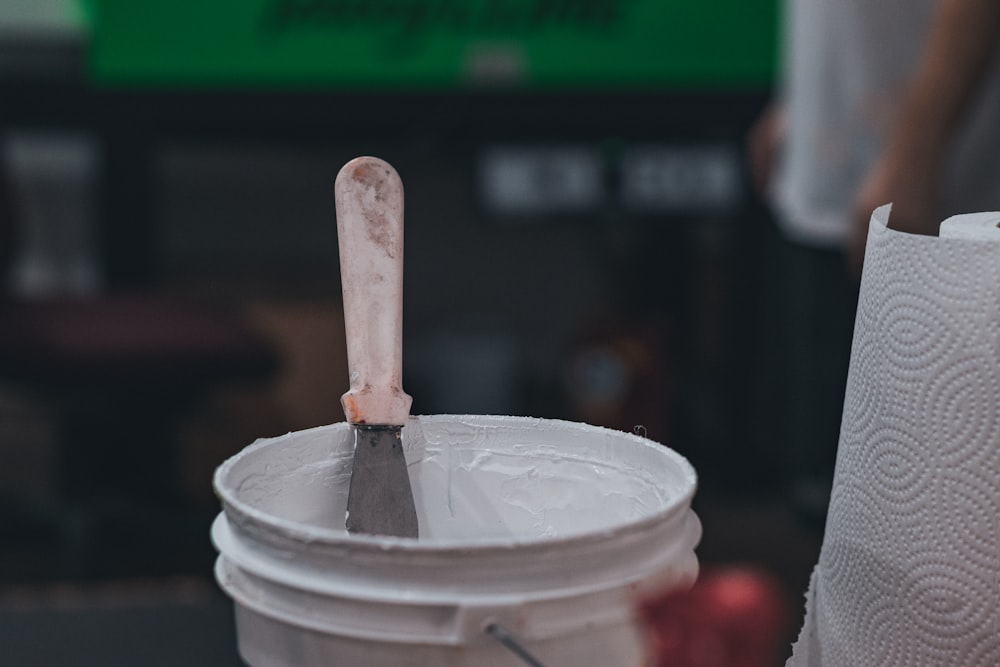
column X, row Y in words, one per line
column 369, row 200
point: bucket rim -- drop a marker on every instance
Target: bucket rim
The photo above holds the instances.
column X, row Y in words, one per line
column 280, row 529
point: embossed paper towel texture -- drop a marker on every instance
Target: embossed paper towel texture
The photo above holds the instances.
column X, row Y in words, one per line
column 909, row 572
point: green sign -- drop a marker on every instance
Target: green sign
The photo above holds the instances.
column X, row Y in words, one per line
column 435, row 43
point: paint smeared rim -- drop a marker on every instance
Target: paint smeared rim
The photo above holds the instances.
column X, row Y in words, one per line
column 282, row 531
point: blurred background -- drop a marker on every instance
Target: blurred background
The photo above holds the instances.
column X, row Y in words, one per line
column 582, row 243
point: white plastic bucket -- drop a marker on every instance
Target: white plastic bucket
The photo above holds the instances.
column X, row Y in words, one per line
column 548, row 528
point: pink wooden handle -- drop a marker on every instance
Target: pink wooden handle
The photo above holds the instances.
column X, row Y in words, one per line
column 369, row 199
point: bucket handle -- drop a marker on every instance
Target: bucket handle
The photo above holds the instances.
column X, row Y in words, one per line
column 500, row 633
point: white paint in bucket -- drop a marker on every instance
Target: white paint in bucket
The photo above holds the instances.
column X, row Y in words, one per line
column 548, row 527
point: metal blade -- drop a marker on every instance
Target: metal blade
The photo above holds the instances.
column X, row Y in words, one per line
column 380, row 501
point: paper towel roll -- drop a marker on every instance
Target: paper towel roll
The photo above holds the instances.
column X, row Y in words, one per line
column 909, row 571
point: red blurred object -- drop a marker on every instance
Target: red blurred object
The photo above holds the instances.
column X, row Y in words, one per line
column 732, row 617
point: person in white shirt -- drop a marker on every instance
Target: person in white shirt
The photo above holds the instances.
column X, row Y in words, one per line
column 880, row 101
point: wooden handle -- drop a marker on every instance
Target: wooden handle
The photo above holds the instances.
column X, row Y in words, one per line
column 369, row 200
